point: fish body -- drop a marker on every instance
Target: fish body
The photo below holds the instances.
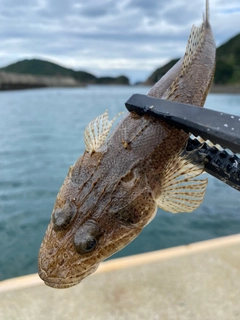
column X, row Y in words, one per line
column 113, row 190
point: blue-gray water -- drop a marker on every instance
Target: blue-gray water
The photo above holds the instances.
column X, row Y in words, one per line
column 41, row 135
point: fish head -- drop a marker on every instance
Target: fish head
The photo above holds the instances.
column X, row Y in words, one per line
column 84, row 231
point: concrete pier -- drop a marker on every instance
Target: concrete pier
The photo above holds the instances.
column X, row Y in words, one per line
column 200, row 281
column 14, row 81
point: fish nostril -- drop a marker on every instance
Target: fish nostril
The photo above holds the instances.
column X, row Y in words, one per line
column 62, row 217
column 61, row 262
column 128, row 177
column 51, row 251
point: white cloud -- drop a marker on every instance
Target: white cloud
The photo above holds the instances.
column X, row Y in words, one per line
column 108, row 36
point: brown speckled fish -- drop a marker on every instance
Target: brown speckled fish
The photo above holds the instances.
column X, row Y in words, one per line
column 113, row 190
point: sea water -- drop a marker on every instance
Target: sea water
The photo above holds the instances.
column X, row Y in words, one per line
column 41, row 135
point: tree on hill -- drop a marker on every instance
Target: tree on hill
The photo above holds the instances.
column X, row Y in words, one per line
column 38, row 67
column 119, row 80
column 228, row 62
column 84, row 77
column 160, row 72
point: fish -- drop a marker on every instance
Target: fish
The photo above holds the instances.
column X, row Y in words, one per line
column 114, row 189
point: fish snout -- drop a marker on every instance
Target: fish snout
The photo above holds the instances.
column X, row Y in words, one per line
column 60, row 273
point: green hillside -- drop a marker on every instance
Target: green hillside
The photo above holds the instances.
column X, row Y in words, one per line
column 117, row 80
column 227, row 64
column 160, row 72
column 39, row 67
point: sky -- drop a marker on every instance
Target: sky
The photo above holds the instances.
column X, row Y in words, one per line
column 108, row 37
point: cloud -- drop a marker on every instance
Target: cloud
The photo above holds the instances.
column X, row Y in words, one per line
column 108, row 36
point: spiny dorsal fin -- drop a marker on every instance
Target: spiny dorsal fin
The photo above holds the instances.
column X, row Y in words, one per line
column 97, row 131
column 194, row 44
column 181, row 192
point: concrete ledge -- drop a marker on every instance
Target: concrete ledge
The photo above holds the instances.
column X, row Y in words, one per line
column 132, row 261
column 197, row 281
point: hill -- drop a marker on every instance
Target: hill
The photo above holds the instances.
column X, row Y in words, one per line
column 228, row 62
column 160, row 72
column 227, row 65
column 37, row 67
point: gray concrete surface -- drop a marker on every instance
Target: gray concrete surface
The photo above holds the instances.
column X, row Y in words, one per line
column 196, row 282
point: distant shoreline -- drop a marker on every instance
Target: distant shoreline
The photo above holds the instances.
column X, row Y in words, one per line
column 13, row 81
column 217, row 89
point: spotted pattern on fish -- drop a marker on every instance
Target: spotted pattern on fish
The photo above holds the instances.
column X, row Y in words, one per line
column 113, row 190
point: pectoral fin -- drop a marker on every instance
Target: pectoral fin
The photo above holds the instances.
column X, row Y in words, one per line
column 97, row 131
column 180, row 190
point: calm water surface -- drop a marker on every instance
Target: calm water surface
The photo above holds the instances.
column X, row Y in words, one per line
column 41, row 135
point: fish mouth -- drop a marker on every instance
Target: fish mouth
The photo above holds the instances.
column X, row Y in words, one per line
column 58, row 283
column 62, row 283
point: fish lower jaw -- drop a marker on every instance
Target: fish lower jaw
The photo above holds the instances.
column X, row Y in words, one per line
column 60, row 286
column 57, row 283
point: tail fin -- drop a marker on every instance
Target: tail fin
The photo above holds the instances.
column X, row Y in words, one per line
column 195, row 41
column 207, row 13
column 190, row 79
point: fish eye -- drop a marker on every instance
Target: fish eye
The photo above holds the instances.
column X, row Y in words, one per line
column 62, row 217
column 85, row 239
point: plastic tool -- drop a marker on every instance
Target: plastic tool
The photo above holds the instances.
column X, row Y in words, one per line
column 220, row 157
